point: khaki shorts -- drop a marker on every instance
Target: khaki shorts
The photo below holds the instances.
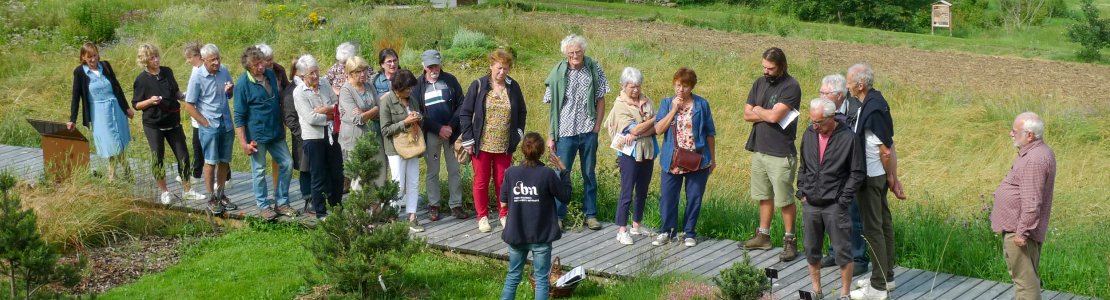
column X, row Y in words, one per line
column 773, row 177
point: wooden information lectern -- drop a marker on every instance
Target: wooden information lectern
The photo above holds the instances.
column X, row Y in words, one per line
column 63, row 150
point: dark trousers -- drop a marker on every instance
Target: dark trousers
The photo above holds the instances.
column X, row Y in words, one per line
column 878, row 228
column 669, row 186
column 635, row 180
column 326, row 167
column 859, row 247
column 306, row 184
column 157, row 139
column 198, row 155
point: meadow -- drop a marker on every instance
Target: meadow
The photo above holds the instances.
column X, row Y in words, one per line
column 952, row 109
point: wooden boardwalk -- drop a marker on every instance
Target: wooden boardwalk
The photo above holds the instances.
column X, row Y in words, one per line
column 598, row 250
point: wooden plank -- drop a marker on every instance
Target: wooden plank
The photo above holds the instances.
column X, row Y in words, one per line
column 458, row 229
column 654, row 256
column 766, row 258
column 608, row 250
column 726, row 253
column 585, row 242
column 621, row 252
column 679, row 261
column 1063, row 296
column 944, row 287
column 922, row 289
column 1006, row 294
column 909, row 285
column 977, row 290
column 995, row 291
column 641, row 252
column 797, row 275
column 958, row 290
column 1049, row 294
column 713, row 268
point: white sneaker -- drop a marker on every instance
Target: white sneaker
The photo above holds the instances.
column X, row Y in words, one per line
column 194, row 195
column 868, row 293
column 866, row 282
column 661, row 239
column 502, row 222
column 483, row 225
column 178, row 178
column 624, row 238
column 166, row 198
column 690, row 242
column 639, row 231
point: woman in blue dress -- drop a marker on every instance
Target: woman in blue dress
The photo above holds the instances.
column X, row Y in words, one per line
column 98, row 95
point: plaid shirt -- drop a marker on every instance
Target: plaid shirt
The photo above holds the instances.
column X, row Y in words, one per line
column 1023, row 201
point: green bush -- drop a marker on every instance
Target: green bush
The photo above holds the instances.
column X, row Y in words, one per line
column 26, row 260
column 469, row 45
column 97, row 21
column 742, row 281
column 1093, row 33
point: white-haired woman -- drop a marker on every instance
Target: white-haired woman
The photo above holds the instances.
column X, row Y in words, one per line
column 279, row 70
column 315, row 103
column 337, row 74
column 157, row 95
column 631, row 123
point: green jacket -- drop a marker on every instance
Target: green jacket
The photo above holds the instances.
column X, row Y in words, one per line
column 557, row 82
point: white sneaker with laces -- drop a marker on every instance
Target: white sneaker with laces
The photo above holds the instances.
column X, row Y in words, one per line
column 661, row 239
column 868, row 293
column 483, row 225
column 690, row 242
column 166, row 198
column 866, row 282
column 502, row 222
column 624, row 238
column 639, row 231
column 194, row 195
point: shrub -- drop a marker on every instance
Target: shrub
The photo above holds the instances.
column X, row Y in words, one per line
column 97, row 21
column 1093, row 34
column 742, row 281
column 357, row 248
column 25, row 258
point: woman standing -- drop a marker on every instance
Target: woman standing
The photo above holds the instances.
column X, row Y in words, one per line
column 358, row 109
column 686, row 157
column 292, row 121
column 315, row 104
column 98, row 95
column 387, row 61
column 492, row 120
column 533, row 224
column 401, row 120
column 631, row 123
column 156, row 94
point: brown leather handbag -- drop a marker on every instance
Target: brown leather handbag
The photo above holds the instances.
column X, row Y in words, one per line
column 689, row 160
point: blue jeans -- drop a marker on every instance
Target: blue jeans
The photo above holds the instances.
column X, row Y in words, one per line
column 586, row 146
column 859, row 248
column 279, row 151
column 669, row 186
column 216, row 143
column 541, row 265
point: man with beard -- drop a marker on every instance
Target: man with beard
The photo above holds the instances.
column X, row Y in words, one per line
column 438, row 96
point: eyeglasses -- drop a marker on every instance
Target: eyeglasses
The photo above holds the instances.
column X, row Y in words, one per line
column 824, row 93
column 814, row 123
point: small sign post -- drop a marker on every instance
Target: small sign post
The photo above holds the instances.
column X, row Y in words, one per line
column 942, row 17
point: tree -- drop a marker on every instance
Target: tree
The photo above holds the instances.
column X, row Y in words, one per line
column 25, row 258
column 359, row 245
column 1093, row 34
column 1018, row 13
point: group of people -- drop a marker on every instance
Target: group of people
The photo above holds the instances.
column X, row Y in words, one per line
column 846, row 165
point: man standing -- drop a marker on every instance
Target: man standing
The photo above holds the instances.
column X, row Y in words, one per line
column 278, row 69
column 772, row 108
column 830, row 172
column 438, row 95
column 1023, row 203
column 259, row 128
column 576, row 91
column 876, row 128
column 835, row 88
column 206, row 100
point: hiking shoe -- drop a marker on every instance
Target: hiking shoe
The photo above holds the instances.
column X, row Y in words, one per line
column 268, row 214
column 166, row 198
column 215, row 207
column 483, row 225
column 759, row 241
column 828, row 261
column 789, row 249
column 459, row 213
column 194, row 195
column 844, row 297
column 593, row 224
column 661, row 239
column 690, row 242
column 415, row 226
column 227, row 203
column 624, row 238
column 868, row 293
column 287, row 211
column 433, row 213
column 866, row 282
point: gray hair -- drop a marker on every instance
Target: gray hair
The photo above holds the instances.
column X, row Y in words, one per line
column 826, row 107
column 863, row 74
column 345, row 51
column 267, row 51
column 631, row 75
column 572, row 39
column 836, row 82
column 209, row 50
column 1032, row 123
column 305, row 63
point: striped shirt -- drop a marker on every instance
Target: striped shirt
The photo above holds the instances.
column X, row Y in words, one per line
column 1023, row 201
